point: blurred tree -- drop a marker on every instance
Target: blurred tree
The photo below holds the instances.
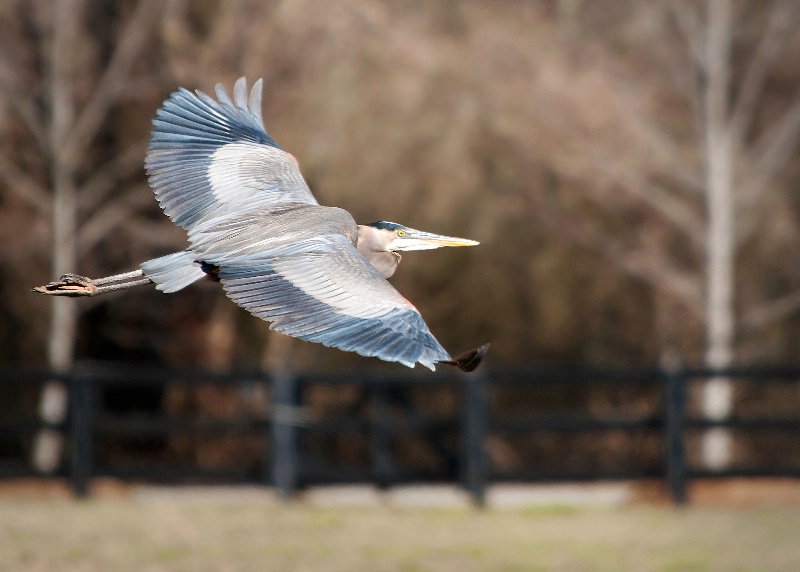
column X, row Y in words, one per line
column 698, row 152
column 63, row 103
column 579, row 141
column 576, row 115
column 725, row 127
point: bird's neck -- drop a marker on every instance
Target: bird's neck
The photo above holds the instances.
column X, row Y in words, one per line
column 384, row 262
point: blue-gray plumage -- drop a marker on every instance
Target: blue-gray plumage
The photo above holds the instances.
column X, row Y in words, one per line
column 253, row 223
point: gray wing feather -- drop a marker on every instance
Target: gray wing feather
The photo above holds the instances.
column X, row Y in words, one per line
column 330, row 294
column 210, row 157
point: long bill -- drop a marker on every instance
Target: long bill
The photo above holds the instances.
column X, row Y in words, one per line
column 421, row 240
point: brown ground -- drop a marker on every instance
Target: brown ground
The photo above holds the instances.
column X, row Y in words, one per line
column 710, row 493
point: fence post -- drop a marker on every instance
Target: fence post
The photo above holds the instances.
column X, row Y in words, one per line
column 474, row 429
column 81, row 414
column 285, row 419
column 381, row 437
column 675, row 426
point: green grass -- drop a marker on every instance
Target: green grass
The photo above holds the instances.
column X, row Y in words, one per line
column 124, row 535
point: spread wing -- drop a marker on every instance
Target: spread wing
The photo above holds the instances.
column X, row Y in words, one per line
column 326, row 292
column 217, row 173
column 210, row 157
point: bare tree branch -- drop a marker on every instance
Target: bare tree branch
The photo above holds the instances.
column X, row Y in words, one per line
column 642, row 264
column 771, row 312
column 587, row 159
column 95, row 189
column 690, row 28
column 149, row 233
column 772, row 154
column 137, row 30
column 112, row 214
column 25, row 187
column 779, row 23
column 669, row 155
column 135, row 88
column 23, row 105
column 773, row 150
column 657, row 198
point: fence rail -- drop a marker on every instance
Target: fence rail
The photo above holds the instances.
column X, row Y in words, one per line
column 287, row 465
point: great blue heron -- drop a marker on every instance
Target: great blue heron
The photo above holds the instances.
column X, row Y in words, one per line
column 254, row 225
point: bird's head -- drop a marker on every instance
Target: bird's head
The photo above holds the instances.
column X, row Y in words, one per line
column 395, row 237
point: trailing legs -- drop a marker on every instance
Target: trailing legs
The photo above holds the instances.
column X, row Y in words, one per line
column 74, row 285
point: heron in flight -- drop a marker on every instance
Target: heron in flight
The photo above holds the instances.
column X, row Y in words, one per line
column 254, row 226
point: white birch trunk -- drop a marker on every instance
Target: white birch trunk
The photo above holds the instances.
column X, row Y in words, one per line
column 48, row 444
column 718, row 392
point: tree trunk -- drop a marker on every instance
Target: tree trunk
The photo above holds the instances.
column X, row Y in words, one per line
column 48, row 444
column 718, row 392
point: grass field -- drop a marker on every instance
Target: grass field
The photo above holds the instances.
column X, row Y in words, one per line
column 126, row 533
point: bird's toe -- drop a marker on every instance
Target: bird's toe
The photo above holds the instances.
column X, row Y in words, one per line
column 70, row 285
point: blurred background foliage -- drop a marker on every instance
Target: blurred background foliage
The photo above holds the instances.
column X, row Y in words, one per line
column 562, row 134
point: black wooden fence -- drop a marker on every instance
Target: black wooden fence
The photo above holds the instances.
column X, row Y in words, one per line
column 486, row 409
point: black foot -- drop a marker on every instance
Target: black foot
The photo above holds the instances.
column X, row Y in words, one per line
column 470, row 359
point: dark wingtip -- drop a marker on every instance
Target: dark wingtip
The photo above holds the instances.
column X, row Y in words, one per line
column 470, row 359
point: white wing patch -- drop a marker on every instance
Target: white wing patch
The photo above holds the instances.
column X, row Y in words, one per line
column 223, row 173
column 242, row 172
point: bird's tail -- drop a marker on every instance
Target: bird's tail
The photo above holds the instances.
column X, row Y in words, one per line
column 174, row 271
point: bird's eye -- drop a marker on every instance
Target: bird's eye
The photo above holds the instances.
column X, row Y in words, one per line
column 400, row 232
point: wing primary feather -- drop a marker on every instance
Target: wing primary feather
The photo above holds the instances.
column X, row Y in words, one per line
column 192, row 157
column 255, row 100
column 222, row 95
column 240, row 93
